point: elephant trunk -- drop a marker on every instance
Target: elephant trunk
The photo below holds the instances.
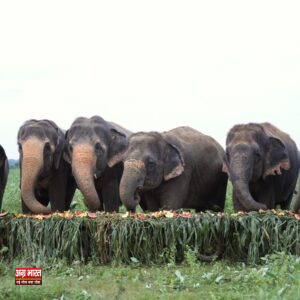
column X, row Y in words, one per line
column 241, row 189
column 297, row 204
column 132, row 182
column 82, row 165
column 32, row 163
column 240, row 176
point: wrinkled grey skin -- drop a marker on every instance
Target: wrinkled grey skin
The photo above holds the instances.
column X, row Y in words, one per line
column 3, row 173
column 92, row 147
column 263, row 165
column 180, row 168
column 44, row 175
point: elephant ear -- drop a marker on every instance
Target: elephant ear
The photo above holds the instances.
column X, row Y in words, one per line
column 276, row 157
column 66, row 154
column 173, row 161
column 225, row 165
column 117, row 147
column 60, row 145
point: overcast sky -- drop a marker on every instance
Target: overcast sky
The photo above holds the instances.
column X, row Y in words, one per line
column 150, row 65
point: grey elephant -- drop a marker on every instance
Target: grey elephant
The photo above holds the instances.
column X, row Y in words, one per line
column 93, row 146
column 180, row 168
column 263, row 165
column 45, row 176
column 4, row 168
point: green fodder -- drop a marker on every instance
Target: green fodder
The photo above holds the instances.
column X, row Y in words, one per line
column 112, row 238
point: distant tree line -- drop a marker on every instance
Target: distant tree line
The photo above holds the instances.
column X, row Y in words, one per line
column 13, row 163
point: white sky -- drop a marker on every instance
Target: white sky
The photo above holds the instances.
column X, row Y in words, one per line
column 150, row 65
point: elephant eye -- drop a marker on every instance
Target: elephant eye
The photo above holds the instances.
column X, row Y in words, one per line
column 151, row 165
column 47, row 147
column 227, row 156
column 257, row 155
column 98, row 147
column 70, row 148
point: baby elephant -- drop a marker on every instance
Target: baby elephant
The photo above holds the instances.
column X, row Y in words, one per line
column 180, row 168
column 3, row 173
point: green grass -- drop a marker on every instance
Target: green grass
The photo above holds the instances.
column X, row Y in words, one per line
column 109, row 238
column 277, row 278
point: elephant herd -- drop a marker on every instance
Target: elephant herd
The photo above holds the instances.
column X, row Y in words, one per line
column 180, row 168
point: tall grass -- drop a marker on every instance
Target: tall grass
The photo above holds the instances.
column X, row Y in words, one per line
column 113, row 238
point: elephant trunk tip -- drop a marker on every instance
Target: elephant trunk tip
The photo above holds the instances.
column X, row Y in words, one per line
column 37, row 208
column 130, row 206
column 129, row 203
column 93, row 206
column 242, row 190
column 257, row 206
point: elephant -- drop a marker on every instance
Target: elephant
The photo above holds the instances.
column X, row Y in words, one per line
column 92, row 147
column 4, row 168
column 262, row 163
column 180, row 168
column 44, row 175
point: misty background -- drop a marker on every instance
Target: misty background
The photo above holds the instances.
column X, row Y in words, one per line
column 150, row 65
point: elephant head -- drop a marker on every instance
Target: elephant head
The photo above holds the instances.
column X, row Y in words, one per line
column 150, row 159
column 92, row 145
column 252, row 154
column 41, row 145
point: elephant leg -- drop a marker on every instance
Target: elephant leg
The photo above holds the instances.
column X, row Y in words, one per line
column 216, row 195
column 110, row 195
column 143, row 203
column 237, row 205
column 174, row 194
column 57, row 191
column 1, row 195
column 149, row 202
column 286, row 204
column 62, row 187
column 71, row 188
column 266, row 195
column 290, row 190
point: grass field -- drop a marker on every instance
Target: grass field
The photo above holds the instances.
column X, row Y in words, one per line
column 276, row 276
